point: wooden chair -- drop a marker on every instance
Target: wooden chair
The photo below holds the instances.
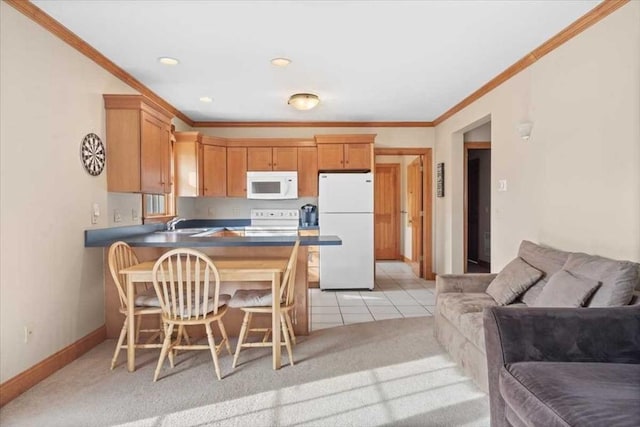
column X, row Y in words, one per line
column 187, row 284
column 146, row 303
column 259, row 301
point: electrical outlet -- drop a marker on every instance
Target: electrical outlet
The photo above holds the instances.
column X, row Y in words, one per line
column 212, row 211
column 134, row 214
column 236, row 212
column 27, row 334
column 117, row 217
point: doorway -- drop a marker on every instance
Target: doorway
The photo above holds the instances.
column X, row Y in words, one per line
column 403, row 218
column 477, row 207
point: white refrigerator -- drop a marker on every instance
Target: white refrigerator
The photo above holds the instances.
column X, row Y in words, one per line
column 345, row 207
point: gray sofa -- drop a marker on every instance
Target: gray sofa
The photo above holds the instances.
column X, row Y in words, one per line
column 461, row 299
column 563, row 366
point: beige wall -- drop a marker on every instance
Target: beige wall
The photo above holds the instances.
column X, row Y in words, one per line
column 575, row 184
column 51, row 97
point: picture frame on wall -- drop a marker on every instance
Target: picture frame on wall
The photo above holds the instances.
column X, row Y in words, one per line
column 440, row 180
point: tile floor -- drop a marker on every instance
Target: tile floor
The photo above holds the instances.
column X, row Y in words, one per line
column 397, row 293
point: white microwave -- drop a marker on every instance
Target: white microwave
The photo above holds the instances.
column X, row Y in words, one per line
column 272, row 185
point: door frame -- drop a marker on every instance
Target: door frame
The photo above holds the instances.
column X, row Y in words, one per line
column 398, row 189
column 471, row 145
column 427, row 202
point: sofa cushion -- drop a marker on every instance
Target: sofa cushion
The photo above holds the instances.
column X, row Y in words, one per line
column 566, row 290
column 576, row 394
column 619, row 278
column 453, row 305
column 547, row 260
column 515, row 278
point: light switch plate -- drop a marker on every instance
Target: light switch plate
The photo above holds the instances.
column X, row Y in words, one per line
column 502, row 185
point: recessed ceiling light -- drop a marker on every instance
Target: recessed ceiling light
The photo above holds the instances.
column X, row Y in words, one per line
column 281, row 62
column 168, row 61
column 206, row 99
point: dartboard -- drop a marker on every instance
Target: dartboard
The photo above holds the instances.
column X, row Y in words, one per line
column 93, row 154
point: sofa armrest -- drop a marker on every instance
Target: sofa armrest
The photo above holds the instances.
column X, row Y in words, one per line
column 565, row 334
column 559, row 335
column 472, row 283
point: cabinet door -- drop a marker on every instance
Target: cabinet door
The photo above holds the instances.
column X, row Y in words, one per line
column 259, row 159
column 236, row 171
column 187, row 155
column 357, row 156
column 330, row 156
column 214, row 170
column 285, row 158
column 153, row 141
column 307, row 172
column 166, row 177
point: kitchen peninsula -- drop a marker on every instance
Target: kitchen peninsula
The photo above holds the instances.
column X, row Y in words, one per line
column 151, row 241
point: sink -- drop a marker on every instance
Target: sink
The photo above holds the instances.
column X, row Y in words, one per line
column 184, row 231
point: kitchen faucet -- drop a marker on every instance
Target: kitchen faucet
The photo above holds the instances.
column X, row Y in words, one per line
column 171, row 224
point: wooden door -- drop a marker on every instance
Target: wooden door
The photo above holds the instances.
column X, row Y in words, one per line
column 330, row 156
column 236, row 171
column 307, row 172
column 259, row 159
column 214, row 171
column 285, row 158
column 152, row 145
column 414, row 202
column 357, row 156
column 387, row 211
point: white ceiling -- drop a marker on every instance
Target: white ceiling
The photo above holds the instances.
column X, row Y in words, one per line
column 367, row 60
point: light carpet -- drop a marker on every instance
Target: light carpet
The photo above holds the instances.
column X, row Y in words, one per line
column 391, row 372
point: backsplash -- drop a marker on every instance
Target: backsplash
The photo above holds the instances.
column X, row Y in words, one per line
column 232, row 207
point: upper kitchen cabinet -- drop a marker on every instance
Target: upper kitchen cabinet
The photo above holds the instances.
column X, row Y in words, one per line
column 307, row 172
column 237, row 171
column 138, row 145
column 272, row 158
column 200, row 165
column 350, row 152
column 214, row 159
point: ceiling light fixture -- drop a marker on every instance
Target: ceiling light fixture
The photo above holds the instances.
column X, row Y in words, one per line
column 281, row 62
column 168, row 61
column 206, row 99
column 303, row 101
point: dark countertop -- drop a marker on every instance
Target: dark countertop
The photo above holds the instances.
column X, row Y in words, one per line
column 149, row 235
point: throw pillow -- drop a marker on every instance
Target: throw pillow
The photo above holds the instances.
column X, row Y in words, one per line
column 513, row 280
column 566, row 290
column 619, row 278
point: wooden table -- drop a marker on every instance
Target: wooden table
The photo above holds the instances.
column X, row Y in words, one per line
column 230, row 269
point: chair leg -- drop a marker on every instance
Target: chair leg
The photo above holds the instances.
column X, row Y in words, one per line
column 181, row 333
column 123, row 334
column 290, row 326
column 138, row 323
column 241, row 336
column 214, row 353
column 287, row 341
column 163, row 352
column 223, row 332
column 186, row 336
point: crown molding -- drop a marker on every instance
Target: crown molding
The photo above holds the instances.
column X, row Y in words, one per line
column 220, row 124
column 54, row 27
column 585, row 21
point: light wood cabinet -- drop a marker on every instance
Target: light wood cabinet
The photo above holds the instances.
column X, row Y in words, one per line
column 313, row 260
column 351, row 152
column 272, row 158
column 307, row 172
column 237, row 171
column 214, row 166
column 188, row 165
column 138, row 145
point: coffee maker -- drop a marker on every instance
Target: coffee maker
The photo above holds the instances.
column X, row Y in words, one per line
column 308, row 215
